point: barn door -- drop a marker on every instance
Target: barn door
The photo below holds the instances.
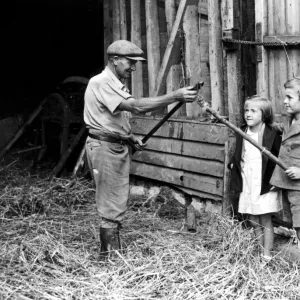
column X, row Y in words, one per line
column 277, row 21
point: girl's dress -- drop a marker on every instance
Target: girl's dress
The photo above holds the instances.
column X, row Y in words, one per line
column 251, row 201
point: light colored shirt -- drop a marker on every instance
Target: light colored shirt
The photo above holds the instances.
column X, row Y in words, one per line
column 103, row 95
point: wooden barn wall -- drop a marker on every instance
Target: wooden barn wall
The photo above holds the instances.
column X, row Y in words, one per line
column 279, row 21
column 188, row 154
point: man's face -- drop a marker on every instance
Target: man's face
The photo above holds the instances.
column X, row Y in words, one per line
column 124, row 67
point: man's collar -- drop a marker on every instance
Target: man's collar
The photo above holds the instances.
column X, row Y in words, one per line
column 114, row 77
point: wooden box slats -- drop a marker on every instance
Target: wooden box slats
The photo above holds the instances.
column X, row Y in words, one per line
column 187, row 154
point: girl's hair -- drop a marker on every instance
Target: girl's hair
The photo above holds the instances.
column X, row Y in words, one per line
column 265, row 106
column 293, row 84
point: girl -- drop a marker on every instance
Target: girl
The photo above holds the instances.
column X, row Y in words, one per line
column 252, row 171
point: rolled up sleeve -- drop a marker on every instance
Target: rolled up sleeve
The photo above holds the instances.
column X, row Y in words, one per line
column 112, row 95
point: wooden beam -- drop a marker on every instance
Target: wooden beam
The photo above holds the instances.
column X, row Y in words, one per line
column 170, row 52
column 108, row 25
column 192, row 54
column 153, row 43
column 116, row 20
column 174, row 74
column 229, row 10
column 206, row 184
column 227, row 193
column 261, row 26
column 182, row 130
column 123, row 20
column 215, row 55
column 190, row 164
column 186, row 148
column 136, row 38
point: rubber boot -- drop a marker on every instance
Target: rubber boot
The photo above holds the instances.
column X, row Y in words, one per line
column 110, row 240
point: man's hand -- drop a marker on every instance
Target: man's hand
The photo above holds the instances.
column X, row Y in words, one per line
column 293, row 173
column 137, row 143
column 186, row 94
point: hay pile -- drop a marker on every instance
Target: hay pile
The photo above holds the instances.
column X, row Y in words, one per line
column 49, row 250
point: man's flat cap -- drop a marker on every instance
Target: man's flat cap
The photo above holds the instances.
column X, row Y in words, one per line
column 127, row 49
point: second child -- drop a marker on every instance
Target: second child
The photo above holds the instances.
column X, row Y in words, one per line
column 289, row 181
column 252, row 171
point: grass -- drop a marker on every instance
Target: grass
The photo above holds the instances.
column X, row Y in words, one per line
column 50, row 249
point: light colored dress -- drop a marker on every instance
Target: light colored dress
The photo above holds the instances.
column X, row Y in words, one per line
column 251, row 202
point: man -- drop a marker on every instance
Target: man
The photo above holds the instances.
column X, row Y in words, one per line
column 108, row 146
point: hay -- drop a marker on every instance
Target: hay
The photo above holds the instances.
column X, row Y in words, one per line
column 49, row 250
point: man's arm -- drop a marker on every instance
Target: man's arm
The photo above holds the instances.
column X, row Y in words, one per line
column 143, row 105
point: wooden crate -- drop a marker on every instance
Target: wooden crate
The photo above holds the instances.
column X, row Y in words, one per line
column 190, row 155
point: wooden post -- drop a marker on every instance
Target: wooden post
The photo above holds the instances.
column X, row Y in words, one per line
column 230, row 11
column 227, row 194
column 136, row 38
column 174, row 75
column 204, row 51
column 192, row 54
column 171, row 51
column 261, row 28
column 153, row 43
column 107, row 22
column 215, row 55
column 123, row 20
column 116, row 20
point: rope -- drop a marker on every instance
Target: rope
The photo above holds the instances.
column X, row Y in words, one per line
column 258, row 43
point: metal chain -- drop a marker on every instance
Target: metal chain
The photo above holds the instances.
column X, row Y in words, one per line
column 182, row 57
column 258, row 43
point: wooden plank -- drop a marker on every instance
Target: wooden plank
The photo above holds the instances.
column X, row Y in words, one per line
column 153, row 44
column 116, row 20
column 235, row 103
column 123, row 20
column 215, row 55
column 171, row 53
column 136, row 38
column 186, row 148
column 179, row 162
column 229, row 151
column 270, row 18
column 204, row 51
column 207, row 184
column 279, row 17
column 202, row 195
column 293, row 29
column 107, row 24
column 208, row 133
column 293, row 20
column 229, row 11
column 261, row 17
column 192, row 55
column 271, row 84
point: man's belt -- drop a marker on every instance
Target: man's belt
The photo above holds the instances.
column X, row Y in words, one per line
column 107, row 138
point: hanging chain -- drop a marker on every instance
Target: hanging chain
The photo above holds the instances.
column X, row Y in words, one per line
column 185, row 76
column 259, row 43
